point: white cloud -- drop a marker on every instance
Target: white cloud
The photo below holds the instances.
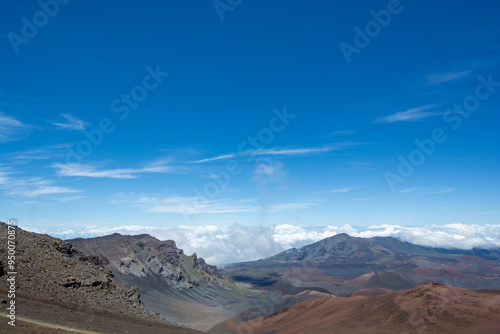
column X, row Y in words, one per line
column 12, row 129
column 445, row 236
column 440, row 190
column 191, row 205
column 45, row 190
column 339, row 190
column 7, row 120
column 71, row 198
column 412, row 114
column 289, row 236
column 30, row 187
column 87, row 170
column 225, row 244
column 436, row 78
column 409, row 190
column 91, row 171
column 187, row 205
column 5, row 175
column 72, row 123
column 484, row 213
column 282, row 152
column 220, row 157
column 287, row 207
column 217, row 245
column 41, row 153
column 341, row 133
column 269, row 171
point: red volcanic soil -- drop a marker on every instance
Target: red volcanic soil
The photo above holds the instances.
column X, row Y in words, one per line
column 378, row 279
column 429, row 308
column 439, row 273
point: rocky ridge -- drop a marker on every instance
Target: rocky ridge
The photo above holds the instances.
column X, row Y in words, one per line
column 182, row 288
column 54, row 269
column 141, row 255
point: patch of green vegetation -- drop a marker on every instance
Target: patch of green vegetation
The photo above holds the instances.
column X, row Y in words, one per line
column 390, row 257
column 43, row 269
column 239, row 292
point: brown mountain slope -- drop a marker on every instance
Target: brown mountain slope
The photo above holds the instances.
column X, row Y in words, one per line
column 385, row 280
column 429, row 308
column 53, row 280
column 40, row 315
column 343, row 265
column 52, row 268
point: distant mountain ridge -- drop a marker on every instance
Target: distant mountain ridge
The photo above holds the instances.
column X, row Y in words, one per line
column 343, row 247
column 343, row 264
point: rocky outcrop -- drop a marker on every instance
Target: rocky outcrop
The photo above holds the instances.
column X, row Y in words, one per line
column 54, row 269
column 178, row 286
column 144, row 255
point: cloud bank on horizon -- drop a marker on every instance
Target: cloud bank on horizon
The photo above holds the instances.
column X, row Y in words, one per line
column 237, row 243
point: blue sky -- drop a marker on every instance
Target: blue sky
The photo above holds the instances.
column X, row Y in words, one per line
column 295, row 132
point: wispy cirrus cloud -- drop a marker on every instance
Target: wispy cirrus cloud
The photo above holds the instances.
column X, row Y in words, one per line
column 282, row 152
column 30, row 187
column 413, row 114
column 409, row 190
column 191, row 205
column 12, row 129
column 41, row 153
column 341, row 133
column 339, row 190
column 71, row 198
column 437, row 78
column 484, row 213
column 47, row 190
column 288, row 206
column 194, row 205
column 92, row 171
column 426, row 190
column 88, row 170
column 71, row 123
